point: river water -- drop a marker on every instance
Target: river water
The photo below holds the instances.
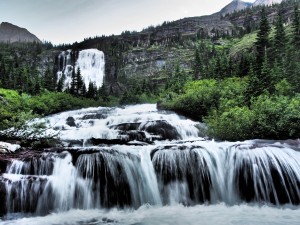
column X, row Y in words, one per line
column 138, row 165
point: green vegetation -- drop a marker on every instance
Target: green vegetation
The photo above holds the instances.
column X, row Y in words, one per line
column 243, row 85
column 258, row 97
column 17, row 109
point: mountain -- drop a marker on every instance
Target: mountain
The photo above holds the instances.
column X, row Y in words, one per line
column 266, row 2
column 12, row 33
column 235, row 5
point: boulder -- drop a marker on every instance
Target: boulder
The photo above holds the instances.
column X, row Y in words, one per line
column 71, row 122
column 161, row 128
column 96, row 116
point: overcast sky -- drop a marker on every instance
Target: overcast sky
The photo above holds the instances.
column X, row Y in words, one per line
column 67, row 21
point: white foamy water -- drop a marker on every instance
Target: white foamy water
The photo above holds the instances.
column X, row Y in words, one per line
column 86, row 127
column 172, row 215
column 145, row 181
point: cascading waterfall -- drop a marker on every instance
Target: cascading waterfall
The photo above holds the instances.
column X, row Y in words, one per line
column 135, row 156
column 90, row 61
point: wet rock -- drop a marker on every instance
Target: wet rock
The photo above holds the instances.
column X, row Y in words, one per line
column 71, row 122
column 162, row 129
column 2, row 198
column 126, row 126
column 182, row 168
column 270, row 183
column 20, row 190
column 133, row 135
column 114, row 190
column 96, row 116
column 99, row 141
column 74, row 143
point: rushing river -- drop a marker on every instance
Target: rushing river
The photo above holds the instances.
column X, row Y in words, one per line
column 138, row 165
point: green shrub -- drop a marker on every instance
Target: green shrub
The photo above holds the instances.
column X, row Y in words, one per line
column 232, row 125
column 277, row 117
column 198, row 99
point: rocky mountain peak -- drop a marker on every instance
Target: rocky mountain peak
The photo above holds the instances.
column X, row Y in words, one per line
column 235, row 5
column 12, row 33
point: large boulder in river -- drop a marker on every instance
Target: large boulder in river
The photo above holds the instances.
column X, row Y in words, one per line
column 161, row 128
column 71, row 122
column 94, row 116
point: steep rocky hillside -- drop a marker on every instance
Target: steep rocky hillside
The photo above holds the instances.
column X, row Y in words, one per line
column 235, row 5
column 12, row 33
column 155, row 51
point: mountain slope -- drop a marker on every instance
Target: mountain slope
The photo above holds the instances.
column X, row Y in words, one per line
column 12, row 33
column 266, row 2
column 235, row 5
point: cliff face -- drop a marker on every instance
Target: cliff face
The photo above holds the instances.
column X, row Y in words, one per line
column 11, row 33
column 149, row 52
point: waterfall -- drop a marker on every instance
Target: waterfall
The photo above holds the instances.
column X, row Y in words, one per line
column 137, row 155
column 90, row 61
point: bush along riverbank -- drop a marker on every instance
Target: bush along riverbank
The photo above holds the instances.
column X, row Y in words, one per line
column 17, row 109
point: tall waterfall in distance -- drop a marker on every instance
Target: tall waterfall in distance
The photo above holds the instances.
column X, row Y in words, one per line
column 90, row 61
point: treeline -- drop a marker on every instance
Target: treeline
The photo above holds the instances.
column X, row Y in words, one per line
column 19, row 63
column 256, row 96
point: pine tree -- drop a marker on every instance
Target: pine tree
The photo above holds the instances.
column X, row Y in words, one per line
column 262, row 40
column 197, row 65
column 265, row 77
column 73, row 82
column 103, row 93
column 2, row 73
column 280, row 37
column 253, row 83
column 83, row 90
column 49, row 81
column 92, row 90
column 296, row 27
column 80, row 88
column 60, row 84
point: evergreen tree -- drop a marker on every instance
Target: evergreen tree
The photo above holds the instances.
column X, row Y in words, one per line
column 83, row 90
column 280, row 37
column 262, row 40
column 103, row 93
column 2, row 73
column 197, row 65
column 80, row 88
column 253, row 83
column 49, row 81
column 73, row 82
column 92, row 90
column 60, row 84
column 265, row 77
column 296, row 27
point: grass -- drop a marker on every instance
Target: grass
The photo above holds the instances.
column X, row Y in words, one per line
column 244, row 44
